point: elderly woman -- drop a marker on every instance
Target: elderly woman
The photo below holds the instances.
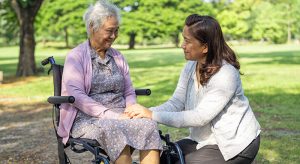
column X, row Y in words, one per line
column 98, row 77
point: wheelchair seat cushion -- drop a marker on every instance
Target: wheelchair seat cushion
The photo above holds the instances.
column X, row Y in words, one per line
column 113, row 135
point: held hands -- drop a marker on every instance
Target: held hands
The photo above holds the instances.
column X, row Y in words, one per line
column 138, row 111
column 124, row 116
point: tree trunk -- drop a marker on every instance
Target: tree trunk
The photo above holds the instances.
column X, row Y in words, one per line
column 26, row 14
column 176, row 40
column 66, row 37
column 132, row 36
column 26, row 65
column 289, row 33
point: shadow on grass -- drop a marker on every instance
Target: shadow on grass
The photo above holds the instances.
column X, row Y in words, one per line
column 9, row 69
column 147, row 48
column 285, row 57
column 148, row 59
column 8, row 58
column 278, row 116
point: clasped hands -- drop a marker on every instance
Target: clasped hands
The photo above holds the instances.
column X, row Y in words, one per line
column 136, row 111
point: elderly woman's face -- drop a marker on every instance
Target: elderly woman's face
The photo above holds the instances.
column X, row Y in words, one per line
column 106, row 34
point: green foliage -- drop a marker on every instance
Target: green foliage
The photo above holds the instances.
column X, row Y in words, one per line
column 148, row 21
column 293, row 17
column 62, row 20
column 26, row 3
column 152, row 19
column 269, row 23
column 8, row 24
column 234, row 19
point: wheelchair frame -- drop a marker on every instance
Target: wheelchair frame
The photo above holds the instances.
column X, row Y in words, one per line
column 170, row 148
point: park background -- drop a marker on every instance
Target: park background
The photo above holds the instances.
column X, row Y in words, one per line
column 265, row 34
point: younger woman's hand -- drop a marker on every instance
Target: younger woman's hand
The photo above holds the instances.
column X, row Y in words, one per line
column 138, row 111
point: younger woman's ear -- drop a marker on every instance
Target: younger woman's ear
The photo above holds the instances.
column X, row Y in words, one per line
column 205, row 49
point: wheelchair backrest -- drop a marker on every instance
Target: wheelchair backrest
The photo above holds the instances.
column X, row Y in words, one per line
column 57, row 71
column 57, row 78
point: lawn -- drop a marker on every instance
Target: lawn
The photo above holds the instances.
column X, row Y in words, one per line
column 271, row 81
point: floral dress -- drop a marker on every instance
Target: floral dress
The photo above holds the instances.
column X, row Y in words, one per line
column 113, row 134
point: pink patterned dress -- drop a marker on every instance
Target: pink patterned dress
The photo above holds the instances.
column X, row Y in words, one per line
column 113, row 134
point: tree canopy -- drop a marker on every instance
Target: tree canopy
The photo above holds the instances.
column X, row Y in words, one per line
column 143, row 22
column 274, row 21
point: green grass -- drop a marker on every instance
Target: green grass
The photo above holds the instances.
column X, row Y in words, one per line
column 271, row 81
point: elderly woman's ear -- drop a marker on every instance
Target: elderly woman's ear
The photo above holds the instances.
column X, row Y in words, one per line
column 91, row 28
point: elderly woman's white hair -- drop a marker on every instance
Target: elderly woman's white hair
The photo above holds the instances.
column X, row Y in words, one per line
column 98, row 13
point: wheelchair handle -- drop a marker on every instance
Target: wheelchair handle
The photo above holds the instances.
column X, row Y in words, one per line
column 143, row 92
column 61, row 99
column 48, row 60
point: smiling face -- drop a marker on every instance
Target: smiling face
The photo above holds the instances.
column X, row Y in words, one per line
column 193, row 48
column 103, row 38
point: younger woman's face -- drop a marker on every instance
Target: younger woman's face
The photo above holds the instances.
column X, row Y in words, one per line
column 192, row 48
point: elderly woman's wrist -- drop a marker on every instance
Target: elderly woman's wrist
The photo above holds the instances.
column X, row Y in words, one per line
column 111, row 114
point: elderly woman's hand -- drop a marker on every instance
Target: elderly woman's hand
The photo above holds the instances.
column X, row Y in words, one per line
column 124, row 116
column 138, row 111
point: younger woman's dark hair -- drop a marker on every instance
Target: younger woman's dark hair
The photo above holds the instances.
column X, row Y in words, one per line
column 208, row 31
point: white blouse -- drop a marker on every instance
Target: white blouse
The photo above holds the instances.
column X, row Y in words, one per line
column 202, row 134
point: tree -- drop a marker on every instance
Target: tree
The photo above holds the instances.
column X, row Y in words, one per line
column 8, row 22
column 186, row 8
column 153, row 23
column 269, row 23
column 131, row 20
column 157, row 19
column 295, row 22
column 131, row 26
column 143, row 18
column 290, row 17
column 235, row 18
column 26, row 11
column 63, row 21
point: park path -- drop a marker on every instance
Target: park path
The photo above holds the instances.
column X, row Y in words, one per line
column 27, row 135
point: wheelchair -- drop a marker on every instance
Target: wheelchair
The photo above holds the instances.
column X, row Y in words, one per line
column 80, row 145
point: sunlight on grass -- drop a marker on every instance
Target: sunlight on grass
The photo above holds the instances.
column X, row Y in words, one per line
column 30, row 86
column 257, row 48
column 271, row 155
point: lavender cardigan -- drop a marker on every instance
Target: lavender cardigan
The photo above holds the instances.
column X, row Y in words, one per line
column 76, row 81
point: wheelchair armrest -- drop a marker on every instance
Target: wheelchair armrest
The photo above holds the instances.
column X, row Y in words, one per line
column 142, row 92
column 71, row 99
column 61, row 99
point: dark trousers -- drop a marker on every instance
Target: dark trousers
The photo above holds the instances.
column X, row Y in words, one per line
column 211, row 154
